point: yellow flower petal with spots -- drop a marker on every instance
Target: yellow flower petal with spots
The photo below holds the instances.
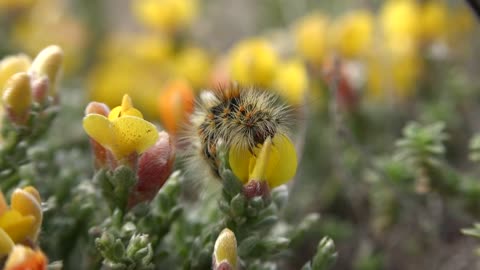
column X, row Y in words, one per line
column 274, row 162
column 17, row 226
column 6, row 243
column 123, row 136
column 133, row 133
column 124, row 132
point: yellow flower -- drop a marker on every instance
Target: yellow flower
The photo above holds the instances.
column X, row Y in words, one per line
column 274, row 162
column 397, row 72
column 131, row 64
column 16, row 4
column 311, row 37
column 22, row 220
column 225, row 250
column 292, row 81
column 11, row 65
column 434, row 20
column 49, row 22
column 23, row 257
column 193, row 64
column 124, row 132
column 400, row 19
column 253, row 61
column 352, row 35
column 165, row 15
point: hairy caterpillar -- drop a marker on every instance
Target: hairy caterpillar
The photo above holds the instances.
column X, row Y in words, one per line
column 237, row 116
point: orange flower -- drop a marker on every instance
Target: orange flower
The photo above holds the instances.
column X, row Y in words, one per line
column 175, row 104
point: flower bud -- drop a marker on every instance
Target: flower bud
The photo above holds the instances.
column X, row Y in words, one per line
column 6, row 243
column 48, row 62
column 11, row 65
column 100, row 153
column 154, row 168
column 27, row 202
column 17, row 97
column 23, row 257
column 255, row 188
column 225, row 251
column 40, row 89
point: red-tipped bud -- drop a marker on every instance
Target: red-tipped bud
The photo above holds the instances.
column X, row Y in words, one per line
column 154, row 168
column 256, row 188
column 40, row 89
column 98, row 108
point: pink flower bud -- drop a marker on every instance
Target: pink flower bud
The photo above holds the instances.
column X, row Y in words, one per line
column 40, row 89
column 154, row 168
column 100, row 153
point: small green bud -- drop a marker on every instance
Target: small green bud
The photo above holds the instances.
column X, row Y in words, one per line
column 238, row 205
column 325, row 256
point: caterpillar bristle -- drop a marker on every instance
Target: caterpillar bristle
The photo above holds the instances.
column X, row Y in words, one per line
column 237, row 116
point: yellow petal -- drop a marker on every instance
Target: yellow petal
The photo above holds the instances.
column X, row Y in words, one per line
column 264, row 161
column 23, row 257
column 239, row 160
column 98, row 127
column 284, row 162
column 6, row 243
column 3, row 203
column 18, row 227
column 226, row 248
column 27, row 202
column 133, row 134
column 125, row 109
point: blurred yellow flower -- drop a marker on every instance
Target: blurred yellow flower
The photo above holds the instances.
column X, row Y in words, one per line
column 292, row 81
column 23, row 258
column 225, row 251
column 22, row 220
column 6, row 5
column 124, row 132
column 400, row 19
column 394, row 71
column 145, row 63
column 461, row 23
column 274, row 162
column 194, row 65
column 311, row 37
column 434, row 20
column 49, row 23
column 168, row 16
column 253, row 62
column 352, row 34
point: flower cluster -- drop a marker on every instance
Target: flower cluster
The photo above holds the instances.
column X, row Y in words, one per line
column 19, row 228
